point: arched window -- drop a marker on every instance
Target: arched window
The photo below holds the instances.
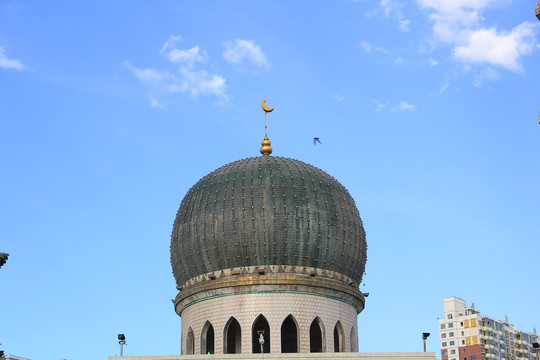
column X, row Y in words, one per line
column 190, row 342
column 354, row 341
column 316, row 336
column 289, row 335
column 339, row 340
column 232, row 337
column 260, row 324
column 207, row 339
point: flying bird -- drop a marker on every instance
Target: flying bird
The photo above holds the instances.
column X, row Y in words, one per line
column 316, row 140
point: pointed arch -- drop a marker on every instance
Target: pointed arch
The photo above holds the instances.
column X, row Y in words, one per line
column 190, row 342
column 317, row 336
column 289, row 335
column 207, row 339
column 339, row 339
column 232, row 337
column 354, row 341
column 260, row 324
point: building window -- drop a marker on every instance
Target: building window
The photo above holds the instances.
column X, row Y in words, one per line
column 445, row 352
column 443, row 335
column 339, row 340
column 316, row 332
column 207, row 339
column 450, row 334
column 443, row 326
column 450, row 316
column 260, row 324
column 462, row 342
column 232, row 343
column 452, row 343
column 451, row 325
column 452, row 351
column 444, row 344
column 463, row 333
column 289, row 335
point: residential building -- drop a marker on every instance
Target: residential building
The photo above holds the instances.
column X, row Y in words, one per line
column 467, row 335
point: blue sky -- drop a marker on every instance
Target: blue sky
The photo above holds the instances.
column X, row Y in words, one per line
column 110, row 110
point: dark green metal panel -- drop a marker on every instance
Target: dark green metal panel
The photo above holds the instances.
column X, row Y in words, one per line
column 267, row 210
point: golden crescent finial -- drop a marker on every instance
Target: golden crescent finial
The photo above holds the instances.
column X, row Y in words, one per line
column 266, row 149
column 266, row 108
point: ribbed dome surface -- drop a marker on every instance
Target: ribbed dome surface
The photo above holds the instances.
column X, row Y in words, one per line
column 267, row 210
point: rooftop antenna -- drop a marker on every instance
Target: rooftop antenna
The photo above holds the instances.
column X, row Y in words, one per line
column 266, row 149
column 472, row 305
column 506, row 318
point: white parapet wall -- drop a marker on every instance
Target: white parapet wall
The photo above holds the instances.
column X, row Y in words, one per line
column 316, row 356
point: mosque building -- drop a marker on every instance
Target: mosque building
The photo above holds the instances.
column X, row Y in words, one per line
column 268, row 254
column 268, row 244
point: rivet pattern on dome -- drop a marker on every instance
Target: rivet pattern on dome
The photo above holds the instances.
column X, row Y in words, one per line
column 267, row 211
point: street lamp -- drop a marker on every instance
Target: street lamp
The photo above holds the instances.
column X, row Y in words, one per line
column 122, row 342
column 424, row 337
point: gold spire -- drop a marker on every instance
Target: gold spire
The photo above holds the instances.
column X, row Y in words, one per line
column 266, row 149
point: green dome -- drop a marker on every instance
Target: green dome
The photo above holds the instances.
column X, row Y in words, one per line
column 267, row 210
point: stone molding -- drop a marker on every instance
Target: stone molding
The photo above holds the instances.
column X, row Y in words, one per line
column 307, row 283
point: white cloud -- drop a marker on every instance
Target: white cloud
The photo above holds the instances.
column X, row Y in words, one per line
column 185, row 79
column 161, row 83
column 200, row 82
column 369, row 48
column 444, row 87
column 404, row 106
column 6, row 63
column 459, row 23
column 391, row 9
column 500, row 49
column 240, row 52
column 158, row 81
column 155, row 103
column 188, row 57
column 432, row 62
column 404, row 25
column 173, row 39
column 338, row 97
column 399, row 60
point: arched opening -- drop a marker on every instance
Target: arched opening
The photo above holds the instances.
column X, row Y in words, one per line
column 354, row 342
column 339, row 340
column 260, row 324
column 289, row 335
column 190, row 342
column 207, row 339
column 232, row 337
column 316, row 336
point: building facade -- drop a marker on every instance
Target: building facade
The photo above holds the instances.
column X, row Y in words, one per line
column 467, row 335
